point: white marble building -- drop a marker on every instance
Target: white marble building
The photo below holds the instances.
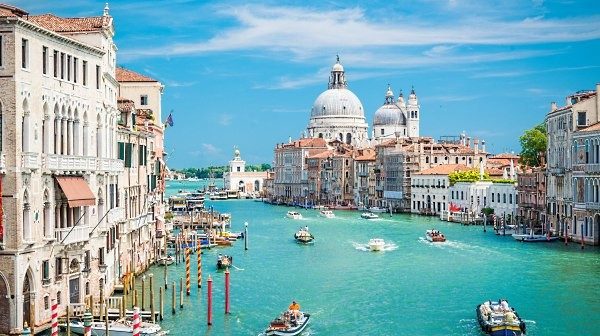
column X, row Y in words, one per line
column 237, row 178
column 396, row 119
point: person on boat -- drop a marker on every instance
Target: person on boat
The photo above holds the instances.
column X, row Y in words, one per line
column 295, row 309
column 306, row 228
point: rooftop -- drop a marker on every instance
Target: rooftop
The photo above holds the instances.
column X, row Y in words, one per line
column 126, row 75
column 444, row 169
column 70, row 25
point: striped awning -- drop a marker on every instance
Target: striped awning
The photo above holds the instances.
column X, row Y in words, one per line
column 77, row 190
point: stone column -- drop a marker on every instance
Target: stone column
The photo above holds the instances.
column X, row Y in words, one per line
column 48, row 225
column 57, row 135
column 57, row 216
column 63, row 216
column 25, row 131
column 86, row 136
column 48, row 135
column 76, row 138
column 63, row 146
column 26, row 222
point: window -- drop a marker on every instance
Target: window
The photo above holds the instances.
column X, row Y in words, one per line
column 492, row 197
column 98, row 77
column 101, row 256
column 58, row 268
column 62, row 65
column 87, row 261
column 1, row 47
column 144, row 100
column 68, row 67
column 127, row 155
column 45, row 270
column 75, row 65
column 24, row 53
column 46, row 302
column 382, row 131
column 510, row 198
column 84, row 70
column 503, row 198
column 55, row 62
column 121, row 146
column 44, row 60
column 581, row 119
column 58, row 295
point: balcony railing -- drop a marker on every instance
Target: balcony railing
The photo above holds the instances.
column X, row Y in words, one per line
column 69, row 162
column 592, row 205
column 79, row 233
column 110, row 165
column 115, row 215
column 30, row 160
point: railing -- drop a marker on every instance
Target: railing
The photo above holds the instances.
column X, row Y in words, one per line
column 591, row 168
column 592, row 205
column 30, row 160
column 138, row 222
column 69, row 162
column 110, row 165
column 79, row 233
column 116, row 215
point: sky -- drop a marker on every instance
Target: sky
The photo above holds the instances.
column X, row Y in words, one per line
column 245, row 73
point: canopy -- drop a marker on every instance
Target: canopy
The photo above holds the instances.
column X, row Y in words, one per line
column 77, row 190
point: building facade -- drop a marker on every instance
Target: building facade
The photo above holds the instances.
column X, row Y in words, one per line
column 430, row 189
column 531, row 196
column 245, row 182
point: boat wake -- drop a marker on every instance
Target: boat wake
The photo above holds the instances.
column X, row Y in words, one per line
column 365, row 247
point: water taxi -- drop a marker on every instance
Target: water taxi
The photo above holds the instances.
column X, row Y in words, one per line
column 497, row 318
column 369, row 215
column 224, row 261
column 120, row 327
column 435, row 236
column 376, row 244
column 289, row 323
column 294, row 215
column 327, row 213
column 303, row 236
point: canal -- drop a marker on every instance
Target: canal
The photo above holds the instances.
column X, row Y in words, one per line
column 413, row 288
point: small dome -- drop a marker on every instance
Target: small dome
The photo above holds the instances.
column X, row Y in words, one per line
column 337, row 67
column 337, row 102
column 389, row 115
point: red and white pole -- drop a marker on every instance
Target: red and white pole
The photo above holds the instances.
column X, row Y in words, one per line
column 136, row 322
column 87, row 323
column 209, row 301
column 227, row 291
column 54, row 318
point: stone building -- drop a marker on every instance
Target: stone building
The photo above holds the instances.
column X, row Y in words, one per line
column 429, row 189
column 364, row 177
column 58, row 107
column 531, row 197
column 245, row 182
column 580, row 111
column 395, row 118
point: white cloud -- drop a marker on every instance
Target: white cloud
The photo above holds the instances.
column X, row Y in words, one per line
column 210, row 149
column 225, row 119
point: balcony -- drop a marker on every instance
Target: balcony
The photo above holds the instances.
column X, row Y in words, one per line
column 140, row 221
column 592, row 206
column 57, row 162
column 115, row 215
column 78, row 234
column 110, row 165
column 30, row 160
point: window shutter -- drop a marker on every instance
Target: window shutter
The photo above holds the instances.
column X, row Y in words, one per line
column 121, row 150
column 128, row 155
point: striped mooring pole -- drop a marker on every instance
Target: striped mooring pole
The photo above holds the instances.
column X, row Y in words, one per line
column 188, row 289
column 209, row 301
column 87, row 323
column 199, row 268
column 54, row 318
column 136, row 322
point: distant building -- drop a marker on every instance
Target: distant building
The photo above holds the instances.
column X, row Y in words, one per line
column 429, row 189
column 395, row 118
column 531, row 197
column 245, row 182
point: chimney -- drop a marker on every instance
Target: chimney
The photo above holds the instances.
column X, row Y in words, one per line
column 553, row 106
column 476, row 146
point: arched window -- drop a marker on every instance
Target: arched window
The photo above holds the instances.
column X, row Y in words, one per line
column 427, row 159
column 348, row 138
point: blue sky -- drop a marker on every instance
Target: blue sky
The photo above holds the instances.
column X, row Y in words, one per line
column 246, row 73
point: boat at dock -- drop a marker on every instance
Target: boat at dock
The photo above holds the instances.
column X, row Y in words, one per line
column 505, row 230
column 165, row 261
column 294, row 215
column 376, row 244
column 288, row 323
column 120, row 327
column 534, row 238
column 435, row 236
column 378, row 209
column 327, row 213
column 303, row 236
column 497, row 318
column 369, row 215
column 224, row 261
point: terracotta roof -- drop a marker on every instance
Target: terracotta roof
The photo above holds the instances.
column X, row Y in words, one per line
column 70, row 25
column 495, row 172
column 125, row 105
column 319, row 154
column 366, row 154
column 444, row 169
column 306, row 142
column 504, row 156
column 591, row 128
column 126, row 75
column 8, row 10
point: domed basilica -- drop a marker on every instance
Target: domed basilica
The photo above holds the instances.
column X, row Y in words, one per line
column 338, row 114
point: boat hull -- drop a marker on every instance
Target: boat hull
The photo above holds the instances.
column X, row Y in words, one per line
column 500, row 329
column 291, row 331
column 534, row 238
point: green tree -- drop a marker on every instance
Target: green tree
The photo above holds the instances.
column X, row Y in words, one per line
column 466, row 176
column 533, row 142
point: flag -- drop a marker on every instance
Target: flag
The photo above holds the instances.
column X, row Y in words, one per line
column 169, row 121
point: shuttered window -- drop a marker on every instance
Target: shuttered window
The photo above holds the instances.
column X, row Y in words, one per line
column 121, row 150
column 128, row 147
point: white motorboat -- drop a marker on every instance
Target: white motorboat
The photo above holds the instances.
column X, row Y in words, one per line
column 369, row 215
column 505, row 230
column 435, row 236
column 534, row 238
column 376, row 244
column 165, row 261
column 327, row 213
column 289, row 323
column 497, row 318
column 294, row 215
column 121, row 327
column 378, row 209
column 303, row 236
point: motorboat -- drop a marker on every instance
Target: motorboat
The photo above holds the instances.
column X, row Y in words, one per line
column 435, row 236
column 288, row 323
column 304, row 236
column 505, row 230
column 376, row 244
column 378, row 209
column 327, row 213
column 120, row 327
column 534, row 238
column 224, row 261
column 369, row 215
column 165, row 261
column 319, row 207
column 497, row 318
column 294, row 215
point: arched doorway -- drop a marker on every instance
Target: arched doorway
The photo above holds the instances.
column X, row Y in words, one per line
column 28, row 299
column 257, row 185
column 241, row 187
column 5, row 317
column 428, row 203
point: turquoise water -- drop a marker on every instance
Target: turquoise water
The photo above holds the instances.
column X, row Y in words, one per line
column 413, row 288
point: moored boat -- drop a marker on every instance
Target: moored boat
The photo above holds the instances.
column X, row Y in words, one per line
column 378, row 209
column 376, row 244
column 294, row 215
column 224, row 261
column 435, row 236
column 289, row 323
column 327, row 213
column 534, row 238
column 505, row 230
column 304, row 236
column 120, row 327
column 497, row 318
column 369, row 215
column 165, row 261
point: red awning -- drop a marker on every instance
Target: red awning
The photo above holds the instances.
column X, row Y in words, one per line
column 77, row 190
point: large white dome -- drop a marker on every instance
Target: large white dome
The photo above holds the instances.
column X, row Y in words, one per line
column 337, row 102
